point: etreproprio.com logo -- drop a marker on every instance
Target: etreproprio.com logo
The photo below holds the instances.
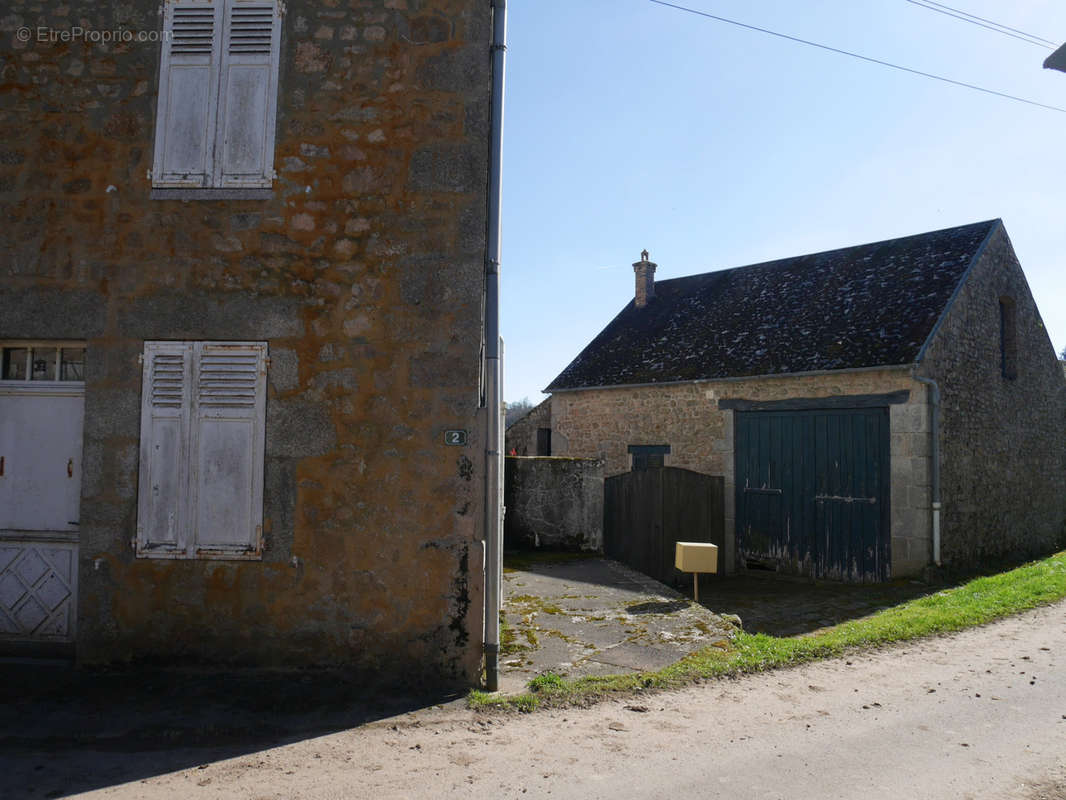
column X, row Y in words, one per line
column 46, row 35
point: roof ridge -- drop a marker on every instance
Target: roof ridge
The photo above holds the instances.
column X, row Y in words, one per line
column 775, row 261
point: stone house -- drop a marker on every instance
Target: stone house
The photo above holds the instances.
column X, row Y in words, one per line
column 531, row 434
column 243, row 406
column 873, row 409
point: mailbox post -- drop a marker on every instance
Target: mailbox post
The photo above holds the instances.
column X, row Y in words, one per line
column 696, row 557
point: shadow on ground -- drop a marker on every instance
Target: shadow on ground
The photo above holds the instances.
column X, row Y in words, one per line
column 779, row 606
column 54, row 718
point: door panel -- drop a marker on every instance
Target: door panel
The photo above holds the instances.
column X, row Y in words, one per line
column 812, row 492
column 38, row 590
column 41, row 445
column 40, row 498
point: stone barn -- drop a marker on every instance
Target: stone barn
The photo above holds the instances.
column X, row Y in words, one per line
column 242, row 405
column 873, row 410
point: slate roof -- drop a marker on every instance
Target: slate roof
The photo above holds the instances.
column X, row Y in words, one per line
column 865, row 306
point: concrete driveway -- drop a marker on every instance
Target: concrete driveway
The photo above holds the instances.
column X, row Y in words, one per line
column 577, row 615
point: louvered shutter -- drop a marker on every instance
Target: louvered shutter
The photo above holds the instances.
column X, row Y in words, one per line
column 187, row 111
column 166, row 405
column 248, row 93
column 227, row 448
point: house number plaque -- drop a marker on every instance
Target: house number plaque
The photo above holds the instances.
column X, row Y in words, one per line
column 455, row 438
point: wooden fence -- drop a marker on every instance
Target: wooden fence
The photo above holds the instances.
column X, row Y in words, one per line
column 646, row 512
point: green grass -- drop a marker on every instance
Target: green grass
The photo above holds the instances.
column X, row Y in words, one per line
column 977, row 602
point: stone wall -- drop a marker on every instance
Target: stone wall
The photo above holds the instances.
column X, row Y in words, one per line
column 363, row 271
column 602, row 423
column 1003, row 452
column 553, row 503
column 521, row 436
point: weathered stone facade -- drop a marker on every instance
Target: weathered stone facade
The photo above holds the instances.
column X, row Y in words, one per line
column 521, row 436
column 363, row 270
column 553, row 503
column 1003, row 454
column 604, row 422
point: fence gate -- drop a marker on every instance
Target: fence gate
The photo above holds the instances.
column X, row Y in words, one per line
column 646, row 512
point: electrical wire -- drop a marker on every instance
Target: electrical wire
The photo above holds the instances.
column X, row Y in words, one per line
column 973, row 19
column 868, row 59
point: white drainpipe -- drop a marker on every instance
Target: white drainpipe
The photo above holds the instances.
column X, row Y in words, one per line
column 493, row 371
column 934, row 397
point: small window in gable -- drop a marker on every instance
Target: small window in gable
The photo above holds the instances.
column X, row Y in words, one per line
column 218, row 88
column 200, row 493
column 544, row 441
column 1008, row 338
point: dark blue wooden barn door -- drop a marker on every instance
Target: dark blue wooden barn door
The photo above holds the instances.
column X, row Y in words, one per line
column 812, row 492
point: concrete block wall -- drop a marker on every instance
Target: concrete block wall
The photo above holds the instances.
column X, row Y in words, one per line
column 602, row 423
column 364, row 273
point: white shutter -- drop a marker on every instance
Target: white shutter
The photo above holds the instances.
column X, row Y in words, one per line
column 166, row 404
column 248, row 94
column 186, row 115
column 227, row 448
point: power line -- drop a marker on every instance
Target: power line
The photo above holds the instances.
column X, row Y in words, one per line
column 860, row 57
column 973, row 19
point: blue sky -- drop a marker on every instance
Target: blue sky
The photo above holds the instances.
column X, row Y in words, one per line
column 630, row 125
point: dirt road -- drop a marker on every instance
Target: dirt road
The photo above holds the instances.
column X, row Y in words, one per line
column 977, row 715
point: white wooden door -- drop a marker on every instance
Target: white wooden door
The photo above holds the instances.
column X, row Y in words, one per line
column 40, row 448
column 40, row 497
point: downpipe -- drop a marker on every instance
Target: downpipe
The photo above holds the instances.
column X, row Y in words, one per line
column 934, row 433
column 493, row 369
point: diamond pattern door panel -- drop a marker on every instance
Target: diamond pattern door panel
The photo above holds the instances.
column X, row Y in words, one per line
column 38, row 590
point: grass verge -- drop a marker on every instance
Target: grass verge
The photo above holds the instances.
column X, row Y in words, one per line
column 974, row 603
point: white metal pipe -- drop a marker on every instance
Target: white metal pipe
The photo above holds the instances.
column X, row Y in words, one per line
column 493, row 370
column 934, row 435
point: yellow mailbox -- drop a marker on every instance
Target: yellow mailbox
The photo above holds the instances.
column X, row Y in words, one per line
column 696, row 557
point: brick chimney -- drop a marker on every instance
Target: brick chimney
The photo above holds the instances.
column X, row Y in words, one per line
column 645, row 272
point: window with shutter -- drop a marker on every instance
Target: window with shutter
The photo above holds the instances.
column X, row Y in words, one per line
column 202, row 450
column 217, row 103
